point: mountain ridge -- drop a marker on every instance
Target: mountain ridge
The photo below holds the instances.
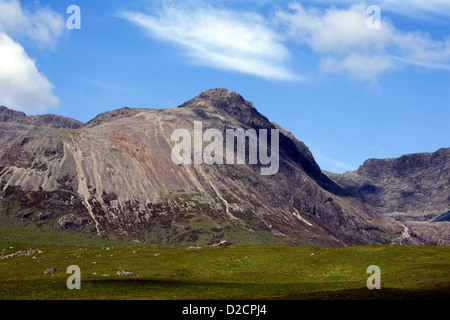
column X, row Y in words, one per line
column 16, row 124
column 114, row 177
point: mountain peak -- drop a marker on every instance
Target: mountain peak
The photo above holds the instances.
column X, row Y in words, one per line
column 220, row 94
column 218, row 98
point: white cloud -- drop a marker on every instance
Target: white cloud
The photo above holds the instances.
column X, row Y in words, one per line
column 361, row 67
column 220, row 38
column 22, row 87
column 332, row 30
column 424, row 64
column 43, row 26
column 416, row 8
column 345, row 43
column 413, row 8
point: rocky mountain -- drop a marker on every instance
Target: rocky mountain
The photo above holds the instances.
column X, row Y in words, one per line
column 16, row 125
column 115, row 177
column 413, row 189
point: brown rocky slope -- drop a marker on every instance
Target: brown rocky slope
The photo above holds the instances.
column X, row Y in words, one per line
column 114, row 176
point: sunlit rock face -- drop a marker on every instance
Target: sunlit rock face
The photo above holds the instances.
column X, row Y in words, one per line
column 114, row 177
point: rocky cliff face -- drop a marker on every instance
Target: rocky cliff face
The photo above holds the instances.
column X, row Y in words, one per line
column 413, row 189
column 114, row 176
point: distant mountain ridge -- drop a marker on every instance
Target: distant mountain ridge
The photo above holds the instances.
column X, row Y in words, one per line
column 414, row 185
column 413, row 189
column 16, row 125
column 114, row 177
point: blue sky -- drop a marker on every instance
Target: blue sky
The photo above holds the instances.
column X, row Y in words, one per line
column 348, row 91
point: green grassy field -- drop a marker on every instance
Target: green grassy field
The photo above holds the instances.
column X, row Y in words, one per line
column 241, row 272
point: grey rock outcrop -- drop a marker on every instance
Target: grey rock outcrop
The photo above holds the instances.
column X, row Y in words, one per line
column 50, row 270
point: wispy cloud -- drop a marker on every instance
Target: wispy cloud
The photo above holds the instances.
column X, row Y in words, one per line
column 220, row 38
column 43, row 26
column 363, row 67
column 344, row 43
column 247, row 42
column 329, row 164
column 332, row 165
column 417, row 7
column 412, row 8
